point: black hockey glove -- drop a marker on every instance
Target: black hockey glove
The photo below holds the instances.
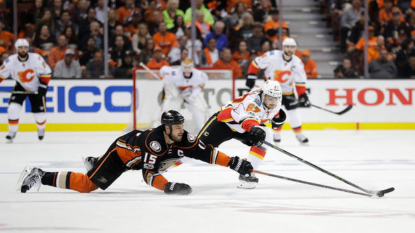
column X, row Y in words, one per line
column 173, row 188
column 250, row 81
column 42, row 91
column 256, row 136
column 279, row 120
column 241, row 166
column 303, row 101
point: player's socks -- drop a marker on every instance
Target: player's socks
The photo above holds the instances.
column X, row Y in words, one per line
column 277, row 134
column 299, row 135
column 13, row 127
column 40, row 119
column 69, row 180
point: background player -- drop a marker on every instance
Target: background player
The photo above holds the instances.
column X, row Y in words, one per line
column 244, row 119
column 288, row 70
column 184, row 83
column 151, row 151
column 32, row 76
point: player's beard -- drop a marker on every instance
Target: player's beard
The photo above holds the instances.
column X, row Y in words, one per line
column 288, row 55
column 176, row 138
column 22, row 56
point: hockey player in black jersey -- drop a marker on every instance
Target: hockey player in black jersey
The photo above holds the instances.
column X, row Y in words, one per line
column 151, row 151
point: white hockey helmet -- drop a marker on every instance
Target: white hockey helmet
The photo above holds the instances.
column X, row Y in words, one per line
column 289, row 41
column 21, row 42
column 187, row 65
column 273, row 89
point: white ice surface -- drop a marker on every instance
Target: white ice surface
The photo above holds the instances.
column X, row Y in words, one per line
column 370, row 159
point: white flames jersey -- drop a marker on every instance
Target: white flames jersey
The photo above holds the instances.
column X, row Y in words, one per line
column 286, row 73
column 27, row 73
column 248, row 107
column 175, row 74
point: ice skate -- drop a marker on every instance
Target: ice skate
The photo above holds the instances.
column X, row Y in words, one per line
column 10, row 136
column 89, row 162
column 247, row 182
column 277, row 137
column 30, row 177
column 302, row 139
column 41, row 133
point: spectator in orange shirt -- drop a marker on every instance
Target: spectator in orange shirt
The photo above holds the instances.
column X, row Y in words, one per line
column 57, row 53
column 373, row 52
column 272, row 26
column 242, row 55
column 226, row 62
column 164, row 39
column 385, row 14
column 157, row 62
column 232, row 4
column 310, row 66
column 6, row 38
column 125, row 12
column 209, row 55
column 132, row 27
column 371, row 39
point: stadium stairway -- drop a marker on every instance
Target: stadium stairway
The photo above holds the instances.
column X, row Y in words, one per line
column 308, row 28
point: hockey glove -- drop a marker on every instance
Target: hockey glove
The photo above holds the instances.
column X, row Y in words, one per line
column 256, row 136
column 250, row 81
column 173, row 188
column 279, row 120
column 303, row 101
column 241, row 166
column 42, row 91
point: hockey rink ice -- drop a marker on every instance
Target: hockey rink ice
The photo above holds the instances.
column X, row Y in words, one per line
column 371, row 159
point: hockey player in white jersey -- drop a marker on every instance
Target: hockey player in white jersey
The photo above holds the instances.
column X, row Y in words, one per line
column 243, row 119
column 288, row 70
column 32, row 76
column 184, row 83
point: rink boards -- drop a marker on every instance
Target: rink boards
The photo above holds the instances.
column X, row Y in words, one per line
column 91, row 105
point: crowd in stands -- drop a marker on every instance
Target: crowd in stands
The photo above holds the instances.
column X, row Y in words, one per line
column 70, row 34
column 229, row 34
column 391, row 36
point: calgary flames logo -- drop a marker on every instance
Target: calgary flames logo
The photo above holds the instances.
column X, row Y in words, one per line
column 279, row 75
column 26, row 76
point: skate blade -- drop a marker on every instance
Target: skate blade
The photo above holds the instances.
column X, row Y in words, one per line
column 246, row 185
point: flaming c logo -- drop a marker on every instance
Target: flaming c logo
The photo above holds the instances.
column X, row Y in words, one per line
column 26, row 76
column 279, row 75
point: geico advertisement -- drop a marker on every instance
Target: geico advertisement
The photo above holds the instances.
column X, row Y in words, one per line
column 78, row 101
column 110, row 101
column 372, row 100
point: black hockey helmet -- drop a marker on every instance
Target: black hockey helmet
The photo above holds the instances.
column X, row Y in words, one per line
column 172, row 117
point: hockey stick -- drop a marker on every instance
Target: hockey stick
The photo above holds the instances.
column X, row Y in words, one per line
column 21, row 92
column 338, row 113
column 150, row 71
column 310, row 183
column 379, row 193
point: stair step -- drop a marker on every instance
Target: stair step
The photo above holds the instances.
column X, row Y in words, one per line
column 306, row 17
column 298, row 3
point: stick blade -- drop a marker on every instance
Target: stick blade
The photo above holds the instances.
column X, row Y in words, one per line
column 383, row 192
column 345, row 110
